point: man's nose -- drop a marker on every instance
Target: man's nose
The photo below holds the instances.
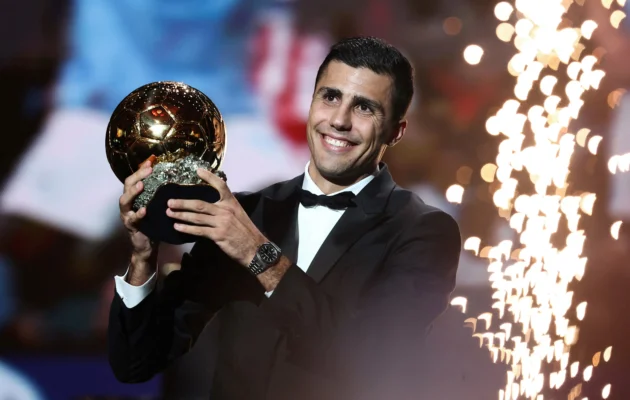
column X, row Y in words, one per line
column 341, row 119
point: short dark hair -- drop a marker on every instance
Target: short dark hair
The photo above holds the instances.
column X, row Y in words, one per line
column 380, row 57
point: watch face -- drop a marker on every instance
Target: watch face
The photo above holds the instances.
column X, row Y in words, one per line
column 268, row 253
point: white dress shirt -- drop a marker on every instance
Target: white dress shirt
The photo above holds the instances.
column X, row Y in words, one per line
column 314, row 225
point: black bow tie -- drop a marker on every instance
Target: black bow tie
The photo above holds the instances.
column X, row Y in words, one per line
column 338, row 201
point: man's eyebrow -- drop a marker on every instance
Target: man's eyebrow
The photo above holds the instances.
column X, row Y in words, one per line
column 356, row 99
column 329, row 90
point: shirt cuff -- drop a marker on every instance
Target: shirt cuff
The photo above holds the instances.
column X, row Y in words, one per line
column 132, row 295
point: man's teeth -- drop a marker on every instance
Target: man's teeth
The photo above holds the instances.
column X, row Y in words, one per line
column 336, row 142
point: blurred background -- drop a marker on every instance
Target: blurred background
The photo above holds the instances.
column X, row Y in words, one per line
column 65, row 65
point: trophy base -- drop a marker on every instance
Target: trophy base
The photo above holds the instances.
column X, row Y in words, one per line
column 158, row 226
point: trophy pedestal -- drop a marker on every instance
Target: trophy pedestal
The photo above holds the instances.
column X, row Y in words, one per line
column 158, row 226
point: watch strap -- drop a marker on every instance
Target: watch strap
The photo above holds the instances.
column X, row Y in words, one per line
column 257, row 266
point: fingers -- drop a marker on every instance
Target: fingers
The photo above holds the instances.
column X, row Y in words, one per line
column 194, row 230
column 142, row 172
column 133, row 187
column 196, row 206
column 216, row 182
column 131, row 219
column 126, row 200
column 193, row 217
column 139, row 214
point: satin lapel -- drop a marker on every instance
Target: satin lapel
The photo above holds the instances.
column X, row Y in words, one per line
column 279, row 222
column 353, row 224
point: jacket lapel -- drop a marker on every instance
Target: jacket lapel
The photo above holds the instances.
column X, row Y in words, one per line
column 280, row 216
column 353, row 224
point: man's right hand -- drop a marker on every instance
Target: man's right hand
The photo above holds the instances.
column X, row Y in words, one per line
column 144, row 251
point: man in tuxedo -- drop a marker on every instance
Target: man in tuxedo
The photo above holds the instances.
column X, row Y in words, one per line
column 320, row 287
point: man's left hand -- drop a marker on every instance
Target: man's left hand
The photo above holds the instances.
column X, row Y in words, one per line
column 224, row 222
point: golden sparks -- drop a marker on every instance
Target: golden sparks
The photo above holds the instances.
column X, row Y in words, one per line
column 529, row 326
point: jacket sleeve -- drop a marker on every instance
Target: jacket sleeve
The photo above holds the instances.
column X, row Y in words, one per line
column 373, row 349
column 145, row 339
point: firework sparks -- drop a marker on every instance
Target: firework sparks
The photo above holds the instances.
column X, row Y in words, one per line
column 533, row 304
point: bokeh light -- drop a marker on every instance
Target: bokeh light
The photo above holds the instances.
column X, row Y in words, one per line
column 473, row 54
column 452, row 26
column 533, row 330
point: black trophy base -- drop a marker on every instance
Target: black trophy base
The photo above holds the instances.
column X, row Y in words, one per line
column 158, row 226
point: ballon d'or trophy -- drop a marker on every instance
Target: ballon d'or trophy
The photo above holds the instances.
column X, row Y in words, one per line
column 179, row 129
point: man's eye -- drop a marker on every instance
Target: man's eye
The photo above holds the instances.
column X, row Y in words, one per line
column 364, row 108
column 330, row 97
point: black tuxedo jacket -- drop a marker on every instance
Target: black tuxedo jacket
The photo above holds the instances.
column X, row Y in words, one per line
column 351, row 327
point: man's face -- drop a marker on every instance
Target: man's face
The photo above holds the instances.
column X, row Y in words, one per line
column 349, row 124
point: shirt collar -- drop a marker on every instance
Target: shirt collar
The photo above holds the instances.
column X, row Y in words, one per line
column 309, row 185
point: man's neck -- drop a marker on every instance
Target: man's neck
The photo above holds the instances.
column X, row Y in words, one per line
column 328, row 186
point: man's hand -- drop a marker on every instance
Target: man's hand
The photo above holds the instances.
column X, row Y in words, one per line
column 224, row 222
column 144, row 252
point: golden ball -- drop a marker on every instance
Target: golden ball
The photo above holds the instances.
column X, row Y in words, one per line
column 164, row 122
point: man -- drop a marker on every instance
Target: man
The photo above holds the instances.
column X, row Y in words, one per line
column 312, row 299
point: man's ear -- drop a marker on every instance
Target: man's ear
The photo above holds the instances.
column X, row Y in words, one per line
column 398, row 133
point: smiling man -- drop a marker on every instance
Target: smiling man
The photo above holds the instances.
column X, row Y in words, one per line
column 321, row 287
column 351, row 123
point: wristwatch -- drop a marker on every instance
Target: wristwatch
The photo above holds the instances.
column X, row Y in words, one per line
column 267, row 255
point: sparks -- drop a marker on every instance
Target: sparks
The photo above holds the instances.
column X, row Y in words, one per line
column 531, row 278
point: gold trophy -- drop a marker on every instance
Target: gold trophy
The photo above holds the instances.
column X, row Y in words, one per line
column 179, row 129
